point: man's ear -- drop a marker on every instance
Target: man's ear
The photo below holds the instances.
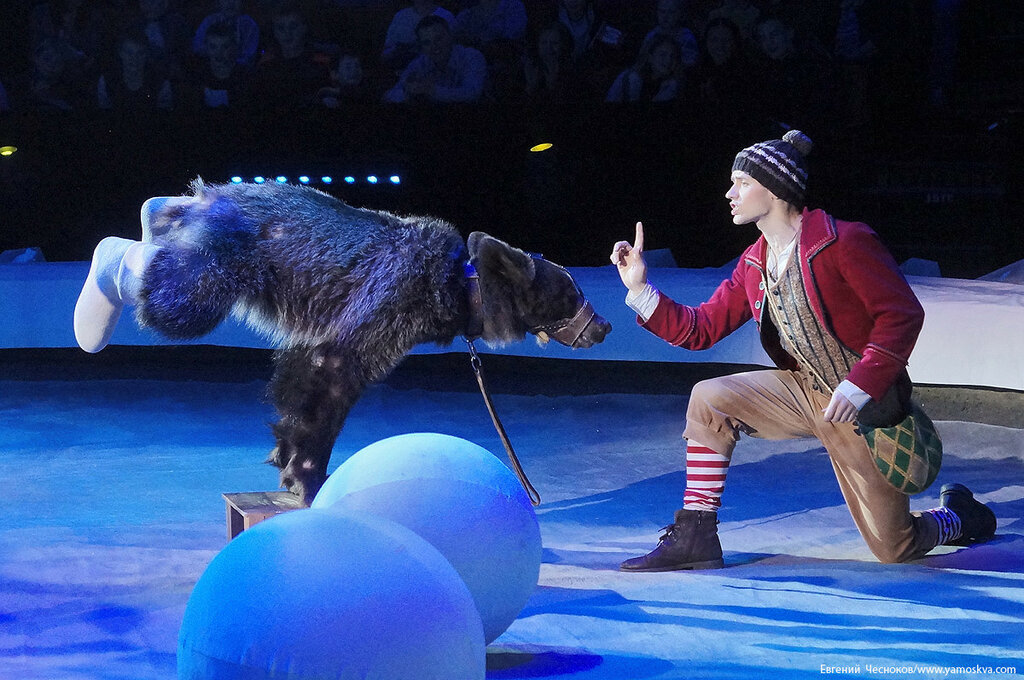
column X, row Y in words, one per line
column 494, row 257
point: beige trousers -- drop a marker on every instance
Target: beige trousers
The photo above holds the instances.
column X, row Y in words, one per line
column 778, row 404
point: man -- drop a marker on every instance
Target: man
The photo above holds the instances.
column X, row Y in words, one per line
column 443, row 72
column 839, row 321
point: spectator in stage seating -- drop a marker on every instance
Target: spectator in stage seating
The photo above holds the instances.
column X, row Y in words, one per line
column 78, row 25
column 400, row 44
column 656, row 77
column 291, row 73
column 219, row 81
column 167, row 34
column 597, row 46
column 796, row 78
column 349, row 84
column 443, row 72
column 49, row 84
column 133, row 83
column 669, row 22
column 549, row 76
column 247, row 30
column 497, row 28
column 723, row 62
column 490, row 21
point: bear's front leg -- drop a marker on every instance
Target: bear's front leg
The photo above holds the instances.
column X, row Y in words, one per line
column 313, row 389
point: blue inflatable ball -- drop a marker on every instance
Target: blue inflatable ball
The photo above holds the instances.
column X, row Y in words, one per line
column 463, row 500
column 328, row 594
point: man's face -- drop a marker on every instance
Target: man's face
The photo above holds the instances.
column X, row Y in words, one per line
column 222, row 50
column 549, row 45
column 133, row 56
column 350, row 70
column 668, row 14
column 749, row 201
column 436, row 44
column 290, row 31
column 775, row 39
column 720, row 44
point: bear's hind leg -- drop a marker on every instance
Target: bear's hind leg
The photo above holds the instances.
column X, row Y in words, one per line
column 313, row 389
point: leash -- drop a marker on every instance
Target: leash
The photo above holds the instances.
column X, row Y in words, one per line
column 478, row 369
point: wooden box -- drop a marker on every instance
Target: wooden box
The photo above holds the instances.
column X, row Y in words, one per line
column 249, row 508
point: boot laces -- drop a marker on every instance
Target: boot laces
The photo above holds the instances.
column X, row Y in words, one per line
column 668, row 535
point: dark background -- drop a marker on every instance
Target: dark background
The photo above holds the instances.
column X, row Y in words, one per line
column 940, row 183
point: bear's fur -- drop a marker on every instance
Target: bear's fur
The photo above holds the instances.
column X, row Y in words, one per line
column 345, row 293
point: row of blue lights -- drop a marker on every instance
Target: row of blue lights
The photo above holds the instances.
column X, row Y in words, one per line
column 326, row 179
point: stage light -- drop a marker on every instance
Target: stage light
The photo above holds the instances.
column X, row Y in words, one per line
column 259, row 179
column 372, row 179
column 7, row 150
column 349, row 179
column 304, row 179
column 236, row 180
column 395, row 179
column 281, row 179
column 326, row 179
column 543, row 146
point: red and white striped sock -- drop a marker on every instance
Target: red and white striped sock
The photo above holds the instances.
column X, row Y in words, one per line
column 705, row 478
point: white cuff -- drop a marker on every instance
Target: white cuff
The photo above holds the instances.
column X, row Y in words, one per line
column 856, row 395
column 644, row 302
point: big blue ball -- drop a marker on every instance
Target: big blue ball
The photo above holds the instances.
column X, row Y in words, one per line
column 328, row 594
column 463, row 500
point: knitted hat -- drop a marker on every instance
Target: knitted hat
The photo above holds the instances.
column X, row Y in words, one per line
column 779, row 165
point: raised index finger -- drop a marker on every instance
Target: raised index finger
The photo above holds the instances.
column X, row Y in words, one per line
column 638, row 242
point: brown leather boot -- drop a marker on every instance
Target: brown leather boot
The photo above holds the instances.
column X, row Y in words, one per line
column 690, row 543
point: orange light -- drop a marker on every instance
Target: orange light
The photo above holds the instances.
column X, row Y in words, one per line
column 543, row 146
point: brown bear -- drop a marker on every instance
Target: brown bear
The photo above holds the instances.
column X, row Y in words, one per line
column 343, row 292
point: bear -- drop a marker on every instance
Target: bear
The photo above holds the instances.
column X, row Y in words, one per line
column 343, row 293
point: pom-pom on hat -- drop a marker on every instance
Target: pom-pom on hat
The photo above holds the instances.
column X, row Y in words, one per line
column 779, row 165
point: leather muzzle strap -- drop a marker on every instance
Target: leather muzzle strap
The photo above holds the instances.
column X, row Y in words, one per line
column 568, row 332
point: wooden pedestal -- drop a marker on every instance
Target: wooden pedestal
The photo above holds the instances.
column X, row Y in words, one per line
column 247, row 509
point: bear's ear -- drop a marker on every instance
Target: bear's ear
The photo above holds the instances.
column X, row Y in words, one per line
column 491, row 256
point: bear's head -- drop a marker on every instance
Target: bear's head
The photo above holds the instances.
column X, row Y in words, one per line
column 523, row 293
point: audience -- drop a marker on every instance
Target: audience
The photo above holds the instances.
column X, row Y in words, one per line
column 831, row 59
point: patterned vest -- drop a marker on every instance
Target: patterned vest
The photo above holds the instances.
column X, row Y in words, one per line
column 813, row 346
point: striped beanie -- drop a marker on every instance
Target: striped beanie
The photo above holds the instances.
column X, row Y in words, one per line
column 779, row 165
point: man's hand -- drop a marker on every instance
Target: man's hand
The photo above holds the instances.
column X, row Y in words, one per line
column 629, row 261
column 840, row 410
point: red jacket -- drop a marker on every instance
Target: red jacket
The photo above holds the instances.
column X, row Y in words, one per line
column 855, row 289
